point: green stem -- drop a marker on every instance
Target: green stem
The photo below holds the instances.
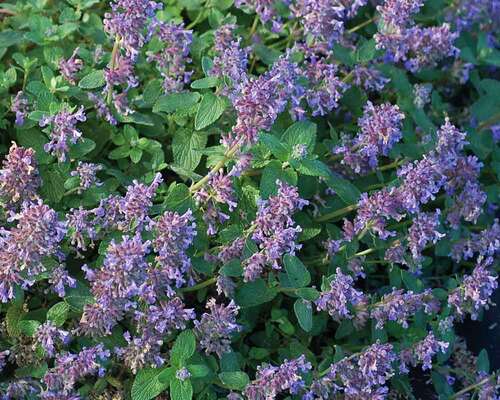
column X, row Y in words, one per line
column 112, row 65
column 227, row 156
column 338, row 213
column 196, row 20
column 472, row 387
column 199, row 286
column 71, row 191
column 486, row 124
column 255, row 24
column 362, row 25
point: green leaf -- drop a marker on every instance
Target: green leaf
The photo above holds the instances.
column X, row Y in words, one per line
column 311, row 167
column 12, row 318
column 176, row 101
column 184, row 144
column 235, row 380
column 147, row 385
column 345, row 329
column 10, row 38
column 366, row 51
column 273, row 172
column 93, row 80
column 297, row 273
column 181, row 390
column 152, row 91
column 53, row 179
column 211, row 108
column 279, row 150
column 183, row 348
column 205, row 83
column 302, row 132
column 28, row 327
column 345, row 189
column 252, row 294
column 483, row 362
column 119, row 152
column 80, row 149
column 58, row 313
column 198, row 370
column 310, row 294
column 135, row 155
column 303, row 312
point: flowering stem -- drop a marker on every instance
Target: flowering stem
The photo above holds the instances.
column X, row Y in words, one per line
column 227, row 156
column 112, row 65
column 196, row 20
column 199, row 286
column 71, row 191
column 362, row 25
column 472, row 387
column 489, row 122
column 337, row 213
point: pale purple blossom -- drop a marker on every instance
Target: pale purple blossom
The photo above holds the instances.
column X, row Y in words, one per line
column 399, row 306
column 19, row 177
column 484, row 243
column 172, row 59
column 60, row 279
column 214, row 329
column 87, row 174
column 473, row 294
column 341, row 297
column 63, row 131
column 20, row 107
column 422, row 232
column 271, row 381
column 70, row 67
column 48, row 336
column 102, row 109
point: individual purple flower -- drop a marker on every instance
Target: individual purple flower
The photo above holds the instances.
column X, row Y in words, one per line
column 484, row 243
column 48, row 336
column 400, row 306
column 325, row 88
column 231, row 60
column 70, row 368
column 19, row 177
column 173, row 58
column 70, row 67
column 225, row 286
column 63, row 131
column 323, row 20
column 380, row 130
column 423, row 231
column 122, row 276
column 397, row 13
column 87, row 174
column 219, row 190
column 475, row 291
column 275, row 232
column 419, row 47
column 81, row 227
column 214, row 329
column 421, row 181
column 131, row 22
column 341, row 297
column 421, row 93
column 370, row 78
column 271, row 381
column 122, row 73
column 422, row 353
column 38, row 234
column 60, row 279
column 174, row 234
column 261, row 100
column 20, row 107
column 375, row 210
column 102, row 109
column 153, row 324
column 468, row 204
column 265, row 9
column 135, row 204
column 361, row 375
column 3, row 358
column 465, row 13
column 183, row 374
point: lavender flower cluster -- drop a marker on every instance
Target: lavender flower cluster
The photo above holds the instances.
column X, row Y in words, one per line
column 248, row 199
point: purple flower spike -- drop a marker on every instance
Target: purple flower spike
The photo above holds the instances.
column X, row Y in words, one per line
column 70, row 67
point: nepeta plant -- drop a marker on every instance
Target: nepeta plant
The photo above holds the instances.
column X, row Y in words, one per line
column 254, row 200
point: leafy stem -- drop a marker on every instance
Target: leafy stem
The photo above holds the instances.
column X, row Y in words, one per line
column 112, row 65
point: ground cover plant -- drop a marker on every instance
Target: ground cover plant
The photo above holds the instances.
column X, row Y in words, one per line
column 247, row 199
